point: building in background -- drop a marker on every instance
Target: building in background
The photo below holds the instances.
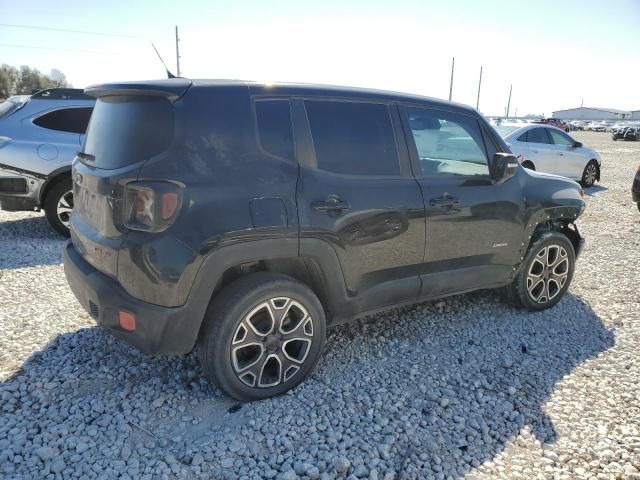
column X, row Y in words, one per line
column 635, row 114
column 591, row 113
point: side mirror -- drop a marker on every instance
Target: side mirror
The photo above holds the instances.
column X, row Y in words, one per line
column 577, row 144
column 503, row 166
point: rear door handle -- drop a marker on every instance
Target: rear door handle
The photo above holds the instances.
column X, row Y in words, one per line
column 333, row 203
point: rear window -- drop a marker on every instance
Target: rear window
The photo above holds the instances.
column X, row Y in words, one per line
column 128, row 129
column 353, row 138
column 70, row 120
column 504, row 130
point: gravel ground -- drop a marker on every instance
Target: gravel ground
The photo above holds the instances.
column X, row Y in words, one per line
column 465, row 387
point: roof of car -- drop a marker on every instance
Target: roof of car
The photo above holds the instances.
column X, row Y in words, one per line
column 332, row 90
column 178, row 85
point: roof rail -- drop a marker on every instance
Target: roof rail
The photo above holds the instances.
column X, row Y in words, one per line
column 61, row 94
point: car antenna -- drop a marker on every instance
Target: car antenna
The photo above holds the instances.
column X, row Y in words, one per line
column 169, row 74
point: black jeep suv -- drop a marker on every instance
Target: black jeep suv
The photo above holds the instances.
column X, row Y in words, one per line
column 243, row 219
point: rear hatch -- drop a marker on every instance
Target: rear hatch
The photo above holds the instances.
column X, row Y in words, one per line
column 130, row 124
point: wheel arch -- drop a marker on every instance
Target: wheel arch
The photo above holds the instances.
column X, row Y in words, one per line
column 53, row 178
column 319, row 270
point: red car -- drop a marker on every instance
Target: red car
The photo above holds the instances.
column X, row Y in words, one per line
column 556, row 122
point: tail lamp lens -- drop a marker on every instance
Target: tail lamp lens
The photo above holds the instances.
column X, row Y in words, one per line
column 151, row 206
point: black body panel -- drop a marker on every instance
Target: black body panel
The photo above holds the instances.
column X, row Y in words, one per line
column 362, row 242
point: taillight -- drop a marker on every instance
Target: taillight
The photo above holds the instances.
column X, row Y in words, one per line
column 582, row 194
column 151, row 206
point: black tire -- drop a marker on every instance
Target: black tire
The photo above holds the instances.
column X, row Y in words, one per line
column 256, row 298
column 61, row 188
column 529, row 165
column 589, row 176
column 518, row 292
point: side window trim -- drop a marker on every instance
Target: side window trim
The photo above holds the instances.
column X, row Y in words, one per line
column 264, row 98
column 307, row 150
column 413, row 150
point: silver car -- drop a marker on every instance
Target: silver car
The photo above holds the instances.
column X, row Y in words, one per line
column 551, row 150
column 39, row 137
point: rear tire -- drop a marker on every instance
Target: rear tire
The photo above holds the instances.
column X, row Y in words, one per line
column 545, row 273
column 590, row 174
column 58, row 205
column 262, row 335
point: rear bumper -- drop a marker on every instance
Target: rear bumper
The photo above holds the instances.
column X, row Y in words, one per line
column 159, row 330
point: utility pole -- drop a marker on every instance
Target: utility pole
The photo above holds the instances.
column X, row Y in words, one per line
column 453, row 63
column 509, row 101
column 479, row 84
column 177, row 53
column 582, row 102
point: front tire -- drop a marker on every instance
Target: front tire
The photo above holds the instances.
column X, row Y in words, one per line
column 58, row 205
column 262, row 335
column 545, row 274
column 590, row 174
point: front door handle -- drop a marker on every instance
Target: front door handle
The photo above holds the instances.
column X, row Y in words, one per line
column 333, row 203
column 561, row 154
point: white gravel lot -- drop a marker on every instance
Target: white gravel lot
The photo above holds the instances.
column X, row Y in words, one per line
column 465, row 387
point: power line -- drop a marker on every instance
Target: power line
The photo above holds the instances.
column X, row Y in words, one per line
column 77, row 50
column 82, row 32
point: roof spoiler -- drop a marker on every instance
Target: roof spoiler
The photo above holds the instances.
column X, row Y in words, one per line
column 171, row 89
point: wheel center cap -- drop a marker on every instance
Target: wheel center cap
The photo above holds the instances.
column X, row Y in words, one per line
column 273, row 342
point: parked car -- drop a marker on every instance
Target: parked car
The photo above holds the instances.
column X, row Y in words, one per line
column 556, row 122
column 39, row 136
column 625, row 133
column 635, row 188
column 551, row 150
column 245, row 218
column 577, row 125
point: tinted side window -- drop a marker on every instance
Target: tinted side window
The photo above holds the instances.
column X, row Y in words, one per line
column 275, row 132
column 560, row 138
column 353, row 138
column 538, row 135
column 524, row 137
column 447, row 144
column 71, row 120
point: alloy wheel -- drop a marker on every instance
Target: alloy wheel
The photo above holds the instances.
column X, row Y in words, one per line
column 547, row 273
column 271, row 343
column 64, row 207
column 590, row 174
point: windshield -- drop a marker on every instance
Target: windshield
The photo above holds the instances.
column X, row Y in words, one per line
column 505, row 130
column 12, row 104
column 127, row 129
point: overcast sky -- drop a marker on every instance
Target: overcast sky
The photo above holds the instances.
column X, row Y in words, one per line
column 555, row 53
